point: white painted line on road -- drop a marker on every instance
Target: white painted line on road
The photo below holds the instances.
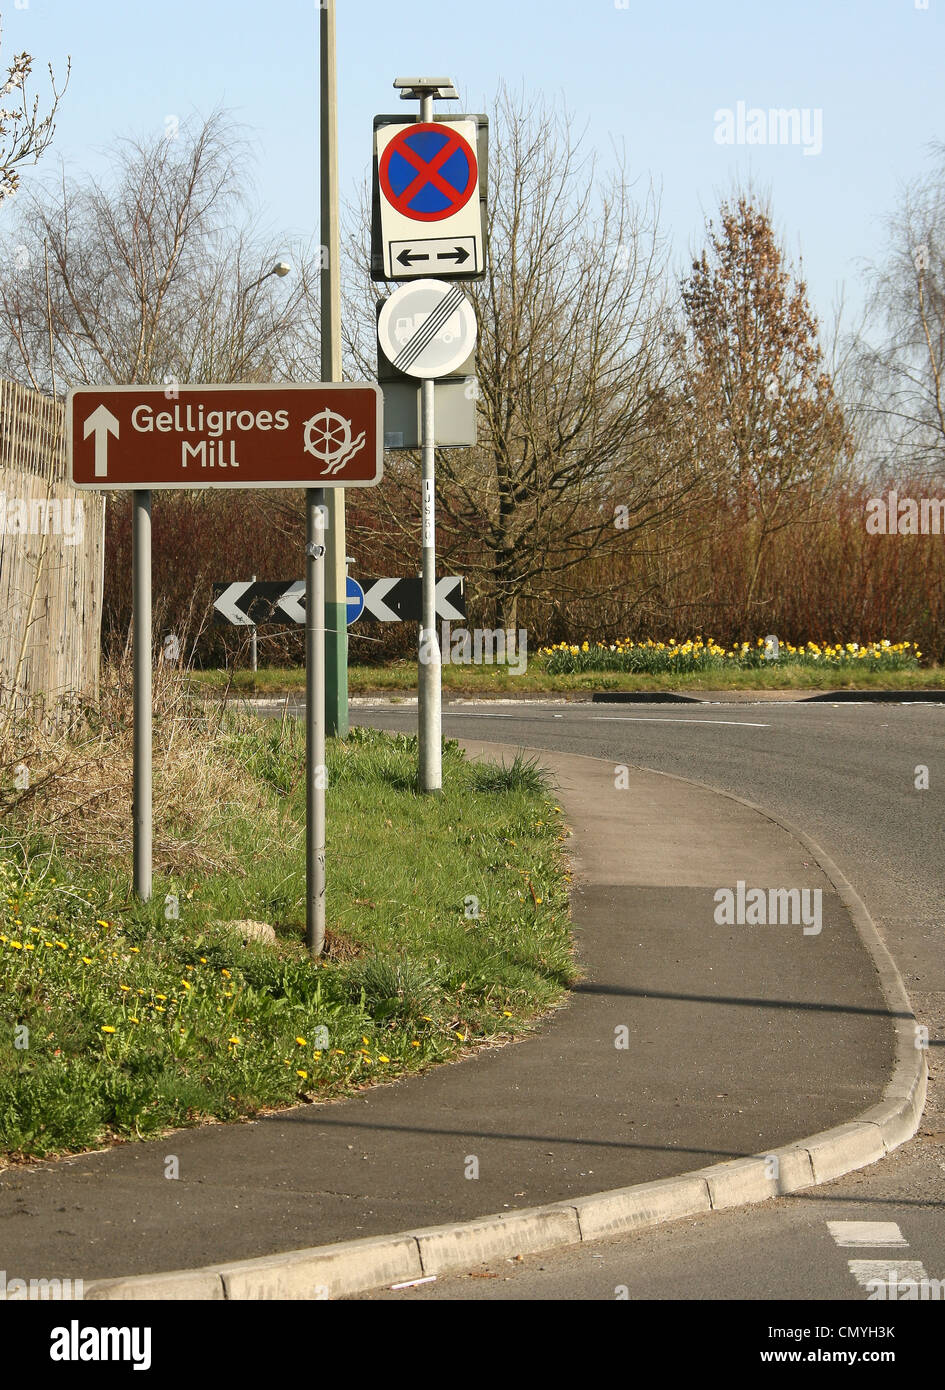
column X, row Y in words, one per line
column 666, row 719
column 866, row 1272
column 866, row 1233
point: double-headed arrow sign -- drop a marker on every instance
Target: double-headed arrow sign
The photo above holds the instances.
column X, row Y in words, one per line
column 246, row 604
column 459, row 254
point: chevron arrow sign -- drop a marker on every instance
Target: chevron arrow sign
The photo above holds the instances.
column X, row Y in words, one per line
column 282, row 602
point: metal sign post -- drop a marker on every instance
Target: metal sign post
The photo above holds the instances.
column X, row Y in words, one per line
column 224, row 435
column 429, row 669
column 141, row 604
column 427, row 329
column 428, row 215
column 316, row 778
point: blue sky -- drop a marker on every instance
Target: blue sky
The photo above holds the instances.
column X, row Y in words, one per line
column 648, row 74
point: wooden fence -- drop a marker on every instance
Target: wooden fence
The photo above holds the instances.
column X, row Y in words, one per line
column 51, row 558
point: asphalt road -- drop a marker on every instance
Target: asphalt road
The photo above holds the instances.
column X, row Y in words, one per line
column 847, row 774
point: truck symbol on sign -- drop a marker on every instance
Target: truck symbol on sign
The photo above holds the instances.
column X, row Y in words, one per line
column 409, row 324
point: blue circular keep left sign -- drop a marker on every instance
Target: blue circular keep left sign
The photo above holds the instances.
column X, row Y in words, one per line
column 355, row 599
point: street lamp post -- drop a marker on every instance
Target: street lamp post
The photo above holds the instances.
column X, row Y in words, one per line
column 281, row 269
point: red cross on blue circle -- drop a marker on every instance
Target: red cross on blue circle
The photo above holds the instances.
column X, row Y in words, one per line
column 428, row 172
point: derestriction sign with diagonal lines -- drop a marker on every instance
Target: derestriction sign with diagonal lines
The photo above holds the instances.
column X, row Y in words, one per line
column 429, row 198
column 281, row 435
column 427, row 329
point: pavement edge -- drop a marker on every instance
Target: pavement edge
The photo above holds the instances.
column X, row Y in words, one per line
column 349, row 1267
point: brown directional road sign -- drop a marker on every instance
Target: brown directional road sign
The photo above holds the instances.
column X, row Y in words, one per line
column 319, row 435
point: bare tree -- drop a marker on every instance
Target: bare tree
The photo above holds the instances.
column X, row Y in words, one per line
column 24, row 134
column 153, row 275
column 572, row 374
column 904, row 375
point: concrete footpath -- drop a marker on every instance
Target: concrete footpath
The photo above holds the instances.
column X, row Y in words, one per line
column 741, row 1039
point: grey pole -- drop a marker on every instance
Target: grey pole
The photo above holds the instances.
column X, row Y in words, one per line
column 336, row 636
column 315, row 770
column 429, row 666
column 252, row 639
column 141, row 604
column 429, row 695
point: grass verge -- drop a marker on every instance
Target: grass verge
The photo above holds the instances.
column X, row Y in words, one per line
column 448, row 928
column 400, row 678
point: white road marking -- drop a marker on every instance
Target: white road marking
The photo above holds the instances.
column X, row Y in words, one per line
column 666, row 719
column 859, row 1233
column 866, row 1272
column 473, row 714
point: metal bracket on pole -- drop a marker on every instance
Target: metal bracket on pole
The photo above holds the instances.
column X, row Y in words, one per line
column 316, row 773
column 142, row 809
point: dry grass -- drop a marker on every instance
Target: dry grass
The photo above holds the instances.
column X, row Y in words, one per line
column 79, row 761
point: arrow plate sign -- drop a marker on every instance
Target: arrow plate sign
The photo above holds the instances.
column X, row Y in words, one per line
column 434, row 256
column 279, row 435
column 282, row 603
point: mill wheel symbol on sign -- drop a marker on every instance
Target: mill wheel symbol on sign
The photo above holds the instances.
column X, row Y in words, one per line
column 428, row 172
column 328, row 437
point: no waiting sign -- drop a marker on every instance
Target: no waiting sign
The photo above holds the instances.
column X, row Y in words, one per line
column 429, row 198
column 282, row 435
